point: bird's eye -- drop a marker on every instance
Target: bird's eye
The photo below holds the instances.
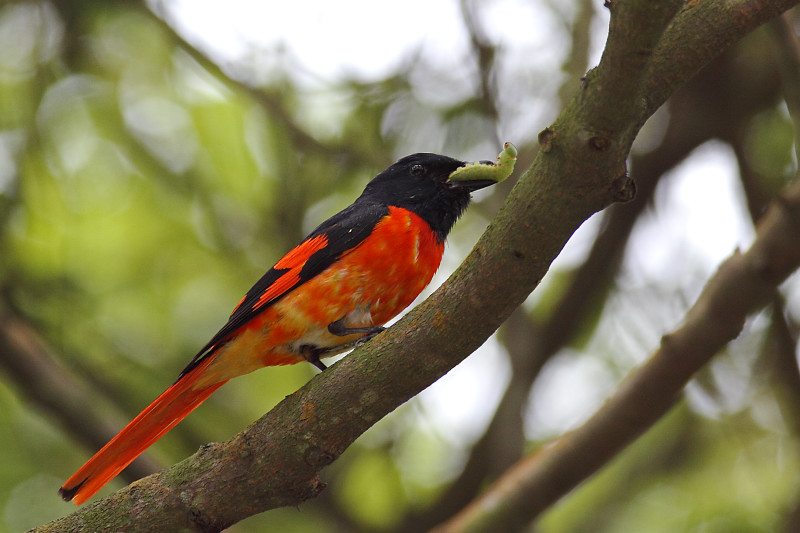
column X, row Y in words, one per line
column 417, row 170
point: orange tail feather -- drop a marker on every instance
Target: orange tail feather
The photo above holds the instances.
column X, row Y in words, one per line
column 163, row 414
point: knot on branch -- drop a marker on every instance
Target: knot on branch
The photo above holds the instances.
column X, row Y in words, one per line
column 623, row 189
column 545, row 137
column 599, row 143
column 317, row 457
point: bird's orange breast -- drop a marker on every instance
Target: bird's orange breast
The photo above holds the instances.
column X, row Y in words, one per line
column 371, row 283
column 367, row 286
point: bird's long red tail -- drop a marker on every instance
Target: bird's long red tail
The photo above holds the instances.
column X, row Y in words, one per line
column 163, row 414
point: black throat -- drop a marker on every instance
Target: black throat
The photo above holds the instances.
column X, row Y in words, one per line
column 439, row 206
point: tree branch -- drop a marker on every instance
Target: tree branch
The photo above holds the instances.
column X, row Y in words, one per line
column 788, row 54
column 275, row 462
column 743, row 284
column 697, row 34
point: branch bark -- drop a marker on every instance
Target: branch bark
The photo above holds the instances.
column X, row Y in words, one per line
column 579, row 170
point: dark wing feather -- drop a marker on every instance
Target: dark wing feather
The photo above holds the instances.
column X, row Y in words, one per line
column 319, row 250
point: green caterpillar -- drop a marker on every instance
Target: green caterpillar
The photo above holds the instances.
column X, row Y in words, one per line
column 489, row 171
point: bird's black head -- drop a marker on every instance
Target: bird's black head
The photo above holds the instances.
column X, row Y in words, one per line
column 421, row 184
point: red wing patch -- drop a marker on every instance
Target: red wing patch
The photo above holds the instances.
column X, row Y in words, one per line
column 293, row 263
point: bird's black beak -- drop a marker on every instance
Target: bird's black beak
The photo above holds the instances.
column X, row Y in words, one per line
column 456, row 182
column 471, row 185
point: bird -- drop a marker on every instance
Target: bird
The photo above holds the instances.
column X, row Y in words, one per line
column 348, row 277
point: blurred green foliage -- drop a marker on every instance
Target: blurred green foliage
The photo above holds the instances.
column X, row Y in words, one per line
column 142, row 192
